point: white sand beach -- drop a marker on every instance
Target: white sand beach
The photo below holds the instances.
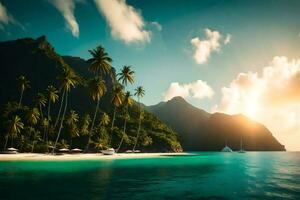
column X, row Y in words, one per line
column 92, row 156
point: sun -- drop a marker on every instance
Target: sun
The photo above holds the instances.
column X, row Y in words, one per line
column 251, row 109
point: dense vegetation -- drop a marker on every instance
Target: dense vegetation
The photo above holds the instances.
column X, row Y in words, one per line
column 58, row 106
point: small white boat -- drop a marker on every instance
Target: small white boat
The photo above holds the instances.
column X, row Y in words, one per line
column 109, row 151
column 76, row 150
column 226, row 148
column 10, row 150
column 63, row 150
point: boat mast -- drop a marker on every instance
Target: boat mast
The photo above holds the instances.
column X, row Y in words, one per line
column 241, row 143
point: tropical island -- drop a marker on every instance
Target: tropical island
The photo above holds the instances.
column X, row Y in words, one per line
column 52, row 102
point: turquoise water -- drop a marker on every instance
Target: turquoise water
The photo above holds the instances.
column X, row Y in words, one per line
column 204, row 176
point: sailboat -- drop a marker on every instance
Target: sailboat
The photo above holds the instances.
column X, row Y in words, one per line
column 241, row 150
column 226, row 148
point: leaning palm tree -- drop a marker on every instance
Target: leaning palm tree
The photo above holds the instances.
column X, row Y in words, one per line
column 100, row 61
column 24, row 84
column 139, row 92
column 71, row 120
column 68, row 80
column 40, row 101
column 52, row 95
column 117, row 96
column 15, row 125
column 126, row 75
column 97, row 90
column 126, row 103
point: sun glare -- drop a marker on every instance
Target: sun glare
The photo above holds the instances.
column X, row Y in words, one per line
column 251, row 110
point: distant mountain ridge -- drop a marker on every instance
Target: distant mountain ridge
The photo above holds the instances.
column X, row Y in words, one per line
column 199, row 130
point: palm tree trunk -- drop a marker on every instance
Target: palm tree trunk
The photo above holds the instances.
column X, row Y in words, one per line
column 47, row 132
column 71, row 140
column 12, row 141
column 32, row 147
column 124, row 129
column 41, row 111
column 62, row 120
column 49, row 107
column 92, row 126
column 21, row 97
column 6, row 140
column 44, row 134
column 139, row 128
column 60, row 107
column 112, row 125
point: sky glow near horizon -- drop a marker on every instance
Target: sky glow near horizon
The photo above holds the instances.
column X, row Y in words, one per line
column 221, row 56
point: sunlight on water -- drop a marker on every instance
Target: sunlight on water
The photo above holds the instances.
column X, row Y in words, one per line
column 207, row 175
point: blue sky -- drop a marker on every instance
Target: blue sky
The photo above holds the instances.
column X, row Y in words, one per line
column 259, row 30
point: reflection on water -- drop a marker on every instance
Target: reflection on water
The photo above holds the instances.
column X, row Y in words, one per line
column 206, row 176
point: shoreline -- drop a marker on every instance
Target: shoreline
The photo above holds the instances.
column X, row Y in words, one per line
column 77, row 157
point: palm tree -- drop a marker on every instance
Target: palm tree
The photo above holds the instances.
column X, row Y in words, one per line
column 99, row 144
column 52, row 94
column 97, row 90
column 45, row 125
column 117, row 96
column 126, row 75
column 36, row 138
column 104, row 120
column 24, row 84
column 139, row 92
column 100, row 61
column 41, row 101
column 84, row 125
column 15, row 125
column 126, row 103
column 71, row 121
column 32, row 116
column 64, row 144
column 68, row 80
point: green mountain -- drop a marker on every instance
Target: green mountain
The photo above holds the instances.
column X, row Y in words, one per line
column 38, row 61
column 199, row 130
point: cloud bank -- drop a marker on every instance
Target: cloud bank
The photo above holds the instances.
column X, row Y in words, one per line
column 66, row 8
column 205, row 47
column 271, row 97
column 198, row 90
column 126, row 22
column 5, row 17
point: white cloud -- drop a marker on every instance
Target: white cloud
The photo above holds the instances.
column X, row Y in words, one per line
column 205, row 47
column 157, row 25
column 126, row 22
column 6, row 18
column 272, row 98
column 67, row 7
column 198, row 90
column 227, row 39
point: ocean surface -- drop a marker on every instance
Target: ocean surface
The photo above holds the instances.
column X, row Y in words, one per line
column 255, row 175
